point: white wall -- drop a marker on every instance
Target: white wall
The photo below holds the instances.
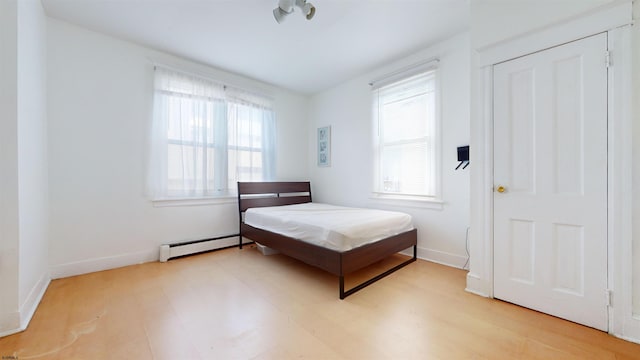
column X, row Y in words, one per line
column 347, row 109
column 23, row 163
column 494, row 21
column 32, row 158
column 9, row 316
column 100, row 100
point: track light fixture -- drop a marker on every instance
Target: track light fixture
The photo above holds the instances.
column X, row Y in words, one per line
column 285, row 7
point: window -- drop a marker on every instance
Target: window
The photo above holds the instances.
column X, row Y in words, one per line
column 206, row 137
column 407, row 149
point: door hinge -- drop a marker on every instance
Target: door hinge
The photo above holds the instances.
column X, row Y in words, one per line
column 607, row 58
column 609, row 297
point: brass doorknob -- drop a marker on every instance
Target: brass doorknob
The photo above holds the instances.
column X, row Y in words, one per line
column 500, row 189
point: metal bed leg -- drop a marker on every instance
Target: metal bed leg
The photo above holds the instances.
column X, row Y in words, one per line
column 344, row 294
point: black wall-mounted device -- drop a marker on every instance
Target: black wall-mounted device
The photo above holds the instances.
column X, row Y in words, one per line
column 463, row 153
column 463, row 156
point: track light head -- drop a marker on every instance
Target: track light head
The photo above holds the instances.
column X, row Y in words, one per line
column 308, row 10
column 279, row 15
column 285, row 7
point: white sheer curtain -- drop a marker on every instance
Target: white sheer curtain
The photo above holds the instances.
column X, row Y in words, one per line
column 252, row 134
column 251, row 141
column 206, row 136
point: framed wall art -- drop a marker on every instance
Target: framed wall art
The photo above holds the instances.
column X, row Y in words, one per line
column 324, row 146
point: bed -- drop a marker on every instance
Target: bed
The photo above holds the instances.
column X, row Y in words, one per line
column 335, row 260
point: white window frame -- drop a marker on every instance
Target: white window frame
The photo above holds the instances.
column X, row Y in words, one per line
column 419, row 200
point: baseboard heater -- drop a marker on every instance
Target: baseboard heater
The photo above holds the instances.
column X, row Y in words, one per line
column 171, row 251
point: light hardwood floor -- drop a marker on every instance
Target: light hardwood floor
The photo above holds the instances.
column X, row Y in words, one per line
column 239, row 304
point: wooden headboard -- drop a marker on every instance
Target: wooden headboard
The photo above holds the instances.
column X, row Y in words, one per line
column 261, row 194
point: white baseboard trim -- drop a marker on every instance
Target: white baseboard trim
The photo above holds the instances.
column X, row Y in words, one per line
column 475, row 286
column 441, row 257
column 10, row 324
column 438, row 257
column 170, row 251
column 18, row 321
column 103, row 263
column 631, row 329
column 33, row 300
column 629, row 339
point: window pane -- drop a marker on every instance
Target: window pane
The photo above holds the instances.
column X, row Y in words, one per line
column 185, row 167
column 188, row 119
column 405, row 169
column 232, row 156
column 407, row 118
column 245, row 166
column 245, row 126
column 210, row 170
column 256, row 166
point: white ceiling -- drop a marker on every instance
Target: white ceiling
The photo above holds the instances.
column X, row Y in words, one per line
column 346, row 38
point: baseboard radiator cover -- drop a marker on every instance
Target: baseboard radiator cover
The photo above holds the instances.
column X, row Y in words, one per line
column 170, row 251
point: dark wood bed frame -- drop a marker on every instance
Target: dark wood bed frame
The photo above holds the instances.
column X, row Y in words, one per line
column 260, row 194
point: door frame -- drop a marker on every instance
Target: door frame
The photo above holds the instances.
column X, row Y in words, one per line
column 616, row 21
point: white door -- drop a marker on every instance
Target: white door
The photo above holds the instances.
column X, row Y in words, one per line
column 550, row 176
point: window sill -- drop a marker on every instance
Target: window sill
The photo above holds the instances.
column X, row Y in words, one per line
column 409, row 201
column 218, row 200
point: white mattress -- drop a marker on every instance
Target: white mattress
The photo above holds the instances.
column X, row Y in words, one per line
column 334, row 227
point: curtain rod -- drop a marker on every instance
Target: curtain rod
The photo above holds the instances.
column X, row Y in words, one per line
column 407, row 69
